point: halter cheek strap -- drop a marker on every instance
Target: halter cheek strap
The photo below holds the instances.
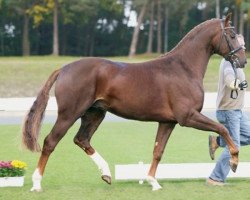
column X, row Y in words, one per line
column 233, row 51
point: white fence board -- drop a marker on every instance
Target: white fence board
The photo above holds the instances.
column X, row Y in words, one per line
column 175, row 171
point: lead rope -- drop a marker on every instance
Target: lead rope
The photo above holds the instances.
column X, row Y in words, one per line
column 234, row 93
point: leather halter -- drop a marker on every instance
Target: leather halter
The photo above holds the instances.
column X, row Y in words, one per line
column 231, row 57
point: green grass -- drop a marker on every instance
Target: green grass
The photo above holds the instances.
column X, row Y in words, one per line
column 24, row 76
column 70, row 174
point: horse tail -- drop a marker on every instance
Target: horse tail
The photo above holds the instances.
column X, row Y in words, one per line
column 33, row 119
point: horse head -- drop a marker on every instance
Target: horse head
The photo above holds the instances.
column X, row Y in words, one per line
column 229, row 44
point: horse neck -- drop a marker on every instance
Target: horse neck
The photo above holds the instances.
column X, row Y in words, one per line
column 195, row 49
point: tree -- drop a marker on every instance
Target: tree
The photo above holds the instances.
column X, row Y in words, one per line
column 217, row 10
column 91, row 23
column 100, row 27
column 151, row 29
column 55, row 30
column 26, row 42
column 135, row 36
column 244, row 10
column 178, row 20
column 241, row 15
column 22, row 8
column 166, row 29
column 159, row 19
column 41, row 9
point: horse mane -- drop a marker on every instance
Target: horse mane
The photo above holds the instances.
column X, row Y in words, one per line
column 190, row 34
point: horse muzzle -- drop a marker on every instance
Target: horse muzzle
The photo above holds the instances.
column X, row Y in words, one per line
column 237, row 63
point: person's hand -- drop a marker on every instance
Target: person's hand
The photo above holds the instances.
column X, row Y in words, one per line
column 234, row 85
column 243, row 85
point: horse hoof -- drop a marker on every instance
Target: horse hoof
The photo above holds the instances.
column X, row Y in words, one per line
column 107, row 179
column 233, row 165
column 154, row 183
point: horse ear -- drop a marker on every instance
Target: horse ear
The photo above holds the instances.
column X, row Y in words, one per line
column 227, row 20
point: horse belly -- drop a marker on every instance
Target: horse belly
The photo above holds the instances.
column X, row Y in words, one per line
column 140, row 115
column 140, row 107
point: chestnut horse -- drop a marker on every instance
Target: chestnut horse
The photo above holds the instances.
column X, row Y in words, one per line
column 168, row 90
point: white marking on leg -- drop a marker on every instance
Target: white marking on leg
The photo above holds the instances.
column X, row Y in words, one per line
column 101, row 163
column 36, row 178
column 154, row 183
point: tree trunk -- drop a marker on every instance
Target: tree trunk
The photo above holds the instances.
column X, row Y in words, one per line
column 64, row 40
column 235, row 19
column 26, row 43
column 92, row 44
column 248, row 36
column 241, row 23
column 159, row 38
column 217, row 12
column 166, row 30
column 55, row 31
column 151, row 29
column 134, row 41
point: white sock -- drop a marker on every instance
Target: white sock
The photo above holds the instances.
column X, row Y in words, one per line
column 101, row 163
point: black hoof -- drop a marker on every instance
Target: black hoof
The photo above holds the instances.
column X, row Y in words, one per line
column 107, row 179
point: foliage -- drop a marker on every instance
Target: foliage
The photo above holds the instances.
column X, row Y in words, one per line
column 38, row 10
column 99, row 27
column 12, row 168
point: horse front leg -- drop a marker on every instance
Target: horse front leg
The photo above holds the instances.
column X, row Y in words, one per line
column 163, row 134
column 199, row 121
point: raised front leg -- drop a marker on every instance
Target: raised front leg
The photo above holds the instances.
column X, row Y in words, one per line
column 197, row 120
column 163, row 134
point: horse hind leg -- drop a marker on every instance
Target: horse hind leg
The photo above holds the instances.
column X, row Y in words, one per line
column 197, row 120
column 89, row 123
column 60, row 128
column 163, row 134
